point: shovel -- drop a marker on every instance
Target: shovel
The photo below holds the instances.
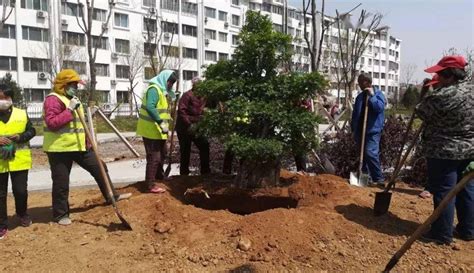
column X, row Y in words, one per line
column 125, row 224
column 359, row 179
column 168, row 168
column 325, row 163
column 382, row 199
column 419, row 231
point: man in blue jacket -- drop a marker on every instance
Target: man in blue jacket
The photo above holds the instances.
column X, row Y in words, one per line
column 375, row 122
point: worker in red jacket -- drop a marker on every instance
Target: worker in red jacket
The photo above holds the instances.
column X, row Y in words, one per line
column 190, row 111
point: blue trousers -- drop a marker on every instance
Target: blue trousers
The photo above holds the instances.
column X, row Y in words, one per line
column 443, row 175
column 371, row 163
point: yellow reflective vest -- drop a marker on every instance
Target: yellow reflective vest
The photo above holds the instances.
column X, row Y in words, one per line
column 70, row 138
column 146, row 126
column 16, row 125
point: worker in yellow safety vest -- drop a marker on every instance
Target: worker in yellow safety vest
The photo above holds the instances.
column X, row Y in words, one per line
column 153, row 125
column 16, row 131
column 65, row 142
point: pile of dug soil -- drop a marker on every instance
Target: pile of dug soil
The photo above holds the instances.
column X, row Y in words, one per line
column 330, row 226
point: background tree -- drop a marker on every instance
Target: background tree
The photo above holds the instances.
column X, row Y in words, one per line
column 7, row 9
column 84, row 20
column 410, row 97
column 18, row 100
column 259, row 117
column 135, row 62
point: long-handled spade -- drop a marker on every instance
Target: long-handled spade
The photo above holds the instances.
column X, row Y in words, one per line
column 421, row 229
column 382, row 199
column 355, row 179
column 108, row 186
column 168, row 168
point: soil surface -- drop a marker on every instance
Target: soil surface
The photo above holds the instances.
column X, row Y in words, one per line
column 332, row 228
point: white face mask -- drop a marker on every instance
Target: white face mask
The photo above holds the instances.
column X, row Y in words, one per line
column 5, row 104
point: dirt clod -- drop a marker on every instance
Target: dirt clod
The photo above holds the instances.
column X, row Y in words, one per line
column 244, row 244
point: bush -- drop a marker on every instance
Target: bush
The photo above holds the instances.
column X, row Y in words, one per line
column 344, row 153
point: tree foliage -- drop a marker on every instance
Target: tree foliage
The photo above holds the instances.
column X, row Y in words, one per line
column 258, row 113
column 18, row 100
column 411, row 97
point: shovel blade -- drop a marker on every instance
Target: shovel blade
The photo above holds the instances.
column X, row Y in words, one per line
column 359, row 180
column 382, row 203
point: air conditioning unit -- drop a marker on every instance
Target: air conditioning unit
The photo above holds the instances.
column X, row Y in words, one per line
column 226, row 24
column 167, row 35
column 107, row 107
column 40, row 14
column 113, row 82
column 152, row 10
column 205, row 19
column 42, row 76
column 207, row 41
column 64, row 22
column 114, row 55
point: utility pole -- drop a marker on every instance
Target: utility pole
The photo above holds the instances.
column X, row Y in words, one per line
column 285, row 16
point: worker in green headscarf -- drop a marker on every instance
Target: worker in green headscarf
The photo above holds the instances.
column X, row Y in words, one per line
column 153, row 124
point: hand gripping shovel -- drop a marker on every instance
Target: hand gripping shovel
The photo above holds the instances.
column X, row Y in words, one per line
column 359, row 179
column 125, row 224
column 421, row 229
column 168, row 168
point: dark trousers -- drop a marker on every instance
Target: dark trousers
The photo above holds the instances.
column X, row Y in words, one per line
column 61, row 164
column 20, row 192
column 300, row 161
column 185, row 141
column 443, row 175
column 155, row 156
column 371, row 163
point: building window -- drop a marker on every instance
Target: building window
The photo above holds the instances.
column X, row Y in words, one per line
column 122, row 97
column 35, row 34
column 99, row 15
column 35, row 95
column 376, row 62
column 169, row 27
column 170, row 5
column 36, row 65
column 71, row 9
column 189, row 8
column 101, row 43
column 122, row 71
column 149, row 3
column 149, row 24
column 35, row 4
column 73, row 38
column 102, row 70
column 80, row 67
column 190, row 53
column 170, row 51
column 189, row 30
column 8, row 63
column 278, row 27
column 236, row 2
column 8, row 32
column 235, row 39
column 210, row 12
column 211, row 56
column 277, row 10
column 223, row 37
column 122, row 46
column 384, row 63
column 222, row 16
column 383, row 75
column 376, row 75
column 149, row 49
column 189, row 74
column 121, row 20
column 223, row 56
column 267, row 7
column 210, row 34
column 103, row 96
column 149, row 73
column 235, row 20
column 370, row 62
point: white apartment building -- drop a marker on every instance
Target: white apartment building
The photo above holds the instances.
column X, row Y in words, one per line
column 39, row 33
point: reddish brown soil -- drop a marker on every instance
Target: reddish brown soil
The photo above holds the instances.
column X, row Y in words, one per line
column 332, row 229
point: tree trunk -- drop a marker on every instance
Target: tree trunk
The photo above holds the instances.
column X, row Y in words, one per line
column 253, row 174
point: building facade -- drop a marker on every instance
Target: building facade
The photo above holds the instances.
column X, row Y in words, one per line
column 43, row 36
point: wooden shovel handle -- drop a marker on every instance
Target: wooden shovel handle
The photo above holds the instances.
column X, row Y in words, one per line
column 364, row 128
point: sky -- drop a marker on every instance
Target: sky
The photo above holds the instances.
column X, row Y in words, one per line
column 426, row 27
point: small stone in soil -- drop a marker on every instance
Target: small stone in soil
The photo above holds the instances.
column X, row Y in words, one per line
column 244, row 244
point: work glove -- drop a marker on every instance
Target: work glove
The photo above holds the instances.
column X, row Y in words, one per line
column 370, row 91
column 469, row 168
column 164, row 126
column 8, row 151
column 74, row 103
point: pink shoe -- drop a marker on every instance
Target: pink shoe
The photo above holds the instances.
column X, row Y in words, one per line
column 157, row 189
column 3, row 233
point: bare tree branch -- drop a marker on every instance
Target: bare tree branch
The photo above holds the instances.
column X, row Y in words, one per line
column 5, row 16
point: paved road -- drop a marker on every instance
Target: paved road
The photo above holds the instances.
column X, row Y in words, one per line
column 37, row 141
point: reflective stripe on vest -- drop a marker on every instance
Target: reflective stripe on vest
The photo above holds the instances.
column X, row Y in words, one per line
column 70, row 138
column 16, row 125
column 146, row 126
